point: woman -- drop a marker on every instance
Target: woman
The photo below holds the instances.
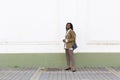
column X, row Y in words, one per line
column 69, row 40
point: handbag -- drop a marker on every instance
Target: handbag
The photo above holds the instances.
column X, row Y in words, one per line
column 74, row 46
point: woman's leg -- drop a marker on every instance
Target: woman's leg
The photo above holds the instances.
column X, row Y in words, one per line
column 67, row 57
column 72, row 59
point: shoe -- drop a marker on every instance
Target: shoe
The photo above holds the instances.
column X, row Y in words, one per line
column 74, row 70
column 68, row 68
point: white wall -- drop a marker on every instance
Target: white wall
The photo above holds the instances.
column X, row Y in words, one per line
column 103, row 25
column 30, row 26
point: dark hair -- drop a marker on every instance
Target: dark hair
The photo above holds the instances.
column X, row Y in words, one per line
column 71, row 26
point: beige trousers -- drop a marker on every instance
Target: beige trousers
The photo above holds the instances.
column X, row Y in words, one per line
column 70, row 58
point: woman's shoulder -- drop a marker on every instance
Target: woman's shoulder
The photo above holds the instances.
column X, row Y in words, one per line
column 72, row 30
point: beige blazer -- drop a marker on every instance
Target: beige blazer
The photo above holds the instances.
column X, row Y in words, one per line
column 71, row 37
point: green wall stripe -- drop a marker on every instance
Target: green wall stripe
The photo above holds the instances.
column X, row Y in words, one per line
column 58, row 59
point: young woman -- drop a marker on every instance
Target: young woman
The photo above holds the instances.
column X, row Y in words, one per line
column 69, row 40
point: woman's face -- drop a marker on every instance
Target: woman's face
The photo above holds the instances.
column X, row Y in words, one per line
column 68, row 26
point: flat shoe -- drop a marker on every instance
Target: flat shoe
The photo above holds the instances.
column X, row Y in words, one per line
column 73, row 70
column 68, row 68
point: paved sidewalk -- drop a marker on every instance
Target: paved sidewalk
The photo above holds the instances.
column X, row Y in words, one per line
column 16, row 73
column 82, row 73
